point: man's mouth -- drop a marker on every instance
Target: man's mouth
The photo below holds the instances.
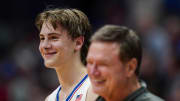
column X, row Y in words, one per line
column 50, row 54
column 98, row 82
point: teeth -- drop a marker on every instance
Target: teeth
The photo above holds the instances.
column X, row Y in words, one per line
column 47, row 55
column 50, row 53
column 99, row 80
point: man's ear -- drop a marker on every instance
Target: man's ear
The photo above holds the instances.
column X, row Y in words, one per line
column 79, row 43
column 131, row 67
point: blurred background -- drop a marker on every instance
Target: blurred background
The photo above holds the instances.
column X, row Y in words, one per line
column 23, row 76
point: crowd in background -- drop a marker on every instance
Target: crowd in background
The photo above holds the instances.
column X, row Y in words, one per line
column 23, row 76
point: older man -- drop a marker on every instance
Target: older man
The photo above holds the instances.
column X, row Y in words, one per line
column 113, row 64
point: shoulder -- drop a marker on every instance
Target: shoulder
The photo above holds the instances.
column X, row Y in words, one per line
column 52, row 96
column 47, row 98
column 91, row 96
column 100, row 99
column 148, row 96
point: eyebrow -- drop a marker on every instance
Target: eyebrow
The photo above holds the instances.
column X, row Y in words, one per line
column 50, row 34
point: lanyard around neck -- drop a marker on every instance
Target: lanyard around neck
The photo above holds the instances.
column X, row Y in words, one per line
column 74, row 90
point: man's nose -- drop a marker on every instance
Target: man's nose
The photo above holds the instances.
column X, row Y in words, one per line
column 46, row 44
column 94, row 70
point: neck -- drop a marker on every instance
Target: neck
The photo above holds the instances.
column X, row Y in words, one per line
column 124, row 92
column 70, row 74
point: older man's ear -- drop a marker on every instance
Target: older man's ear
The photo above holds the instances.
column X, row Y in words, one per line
column 131, row 67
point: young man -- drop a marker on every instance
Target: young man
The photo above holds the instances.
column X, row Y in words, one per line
column 63, row 45
column 113, row 64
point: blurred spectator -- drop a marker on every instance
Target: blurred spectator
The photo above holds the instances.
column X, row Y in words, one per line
column 174, row 94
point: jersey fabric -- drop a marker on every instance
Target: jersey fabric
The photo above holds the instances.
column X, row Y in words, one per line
column 78, row 95
column 141, row 94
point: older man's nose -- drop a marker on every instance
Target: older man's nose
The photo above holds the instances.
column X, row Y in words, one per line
column 94, row 70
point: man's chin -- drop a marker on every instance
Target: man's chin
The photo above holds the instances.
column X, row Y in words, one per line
column 49, row 64
column 98, row 90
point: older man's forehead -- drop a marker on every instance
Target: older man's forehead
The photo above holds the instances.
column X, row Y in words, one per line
column 109, row 46
column 103, row 49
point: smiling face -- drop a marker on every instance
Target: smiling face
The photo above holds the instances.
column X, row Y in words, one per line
column 107, row 73
column 56, row 47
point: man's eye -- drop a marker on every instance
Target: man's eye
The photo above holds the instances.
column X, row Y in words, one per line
column 54, row 37
column 90, row 63
column 41, row 38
